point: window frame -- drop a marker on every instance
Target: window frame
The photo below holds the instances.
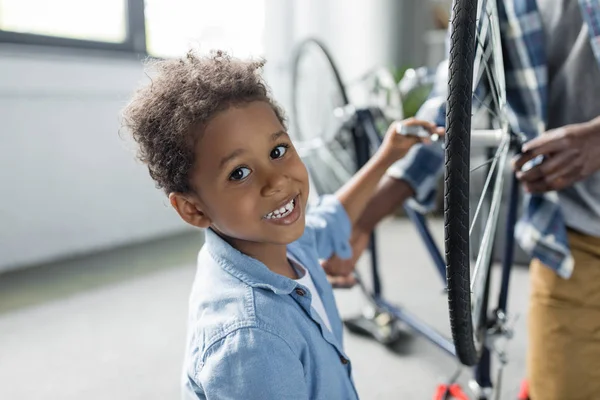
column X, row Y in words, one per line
column 135, row 38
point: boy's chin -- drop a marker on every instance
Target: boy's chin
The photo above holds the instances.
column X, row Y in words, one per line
column 289, row 234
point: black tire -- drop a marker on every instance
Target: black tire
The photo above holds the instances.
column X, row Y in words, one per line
column 456, row 181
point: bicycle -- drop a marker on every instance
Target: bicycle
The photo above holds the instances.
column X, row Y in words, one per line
column 346, row 143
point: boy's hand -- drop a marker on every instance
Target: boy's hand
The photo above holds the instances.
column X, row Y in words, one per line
column 339, row 271
column 396, row 144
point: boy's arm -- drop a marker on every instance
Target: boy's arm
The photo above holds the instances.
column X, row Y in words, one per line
column 355, row 194
column 330, row 222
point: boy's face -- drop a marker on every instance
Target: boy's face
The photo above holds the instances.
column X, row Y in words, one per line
column 252, row 185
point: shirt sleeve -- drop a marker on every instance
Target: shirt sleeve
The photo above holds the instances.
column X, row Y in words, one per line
column 329, row 225
column 252, row 363
column 422, row 167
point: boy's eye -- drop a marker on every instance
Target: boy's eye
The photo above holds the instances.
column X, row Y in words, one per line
column 239, row 174
column 279, row 151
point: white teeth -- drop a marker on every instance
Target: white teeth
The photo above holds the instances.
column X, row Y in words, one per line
column 281, row 212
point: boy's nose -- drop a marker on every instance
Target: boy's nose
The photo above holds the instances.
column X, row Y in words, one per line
column 274, row 183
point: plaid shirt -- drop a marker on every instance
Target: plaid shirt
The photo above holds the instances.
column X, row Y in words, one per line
column 541, row 231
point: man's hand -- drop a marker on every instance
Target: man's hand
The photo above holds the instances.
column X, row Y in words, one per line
column 571, row 154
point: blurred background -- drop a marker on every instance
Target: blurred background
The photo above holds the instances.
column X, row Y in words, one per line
column 95, row 268
column 67, row 68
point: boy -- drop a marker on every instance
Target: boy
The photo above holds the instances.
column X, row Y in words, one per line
column 263, row 323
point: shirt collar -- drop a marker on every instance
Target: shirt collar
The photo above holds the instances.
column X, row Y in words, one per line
column 247, row 269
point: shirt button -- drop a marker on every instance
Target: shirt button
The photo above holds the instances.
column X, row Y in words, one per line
column 344, row 360
column 300, row 292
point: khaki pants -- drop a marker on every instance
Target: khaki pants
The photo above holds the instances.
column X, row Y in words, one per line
column 564, row 327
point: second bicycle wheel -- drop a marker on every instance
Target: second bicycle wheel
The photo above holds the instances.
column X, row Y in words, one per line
column 477, row 126
column 321, row 113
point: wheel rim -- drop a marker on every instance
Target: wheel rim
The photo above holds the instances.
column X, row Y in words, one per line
column 488, row 70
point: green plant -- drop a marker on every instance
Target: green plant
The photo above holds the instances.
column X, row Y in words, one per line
column 414, row 99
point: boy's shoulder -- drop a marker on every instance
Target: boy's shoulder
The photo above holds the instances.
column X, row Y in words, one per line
column 222, row 304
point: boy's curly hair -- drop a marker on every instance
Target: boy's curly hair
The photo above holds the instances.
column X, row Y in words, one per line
column 167, row 116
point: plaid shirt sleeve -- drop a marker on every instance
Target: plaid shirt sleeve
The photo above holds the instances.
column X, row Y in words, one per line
column 423, row 165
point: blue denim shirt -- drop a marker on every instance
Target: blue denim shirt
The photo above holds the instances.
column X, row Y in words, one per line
column 252, row 334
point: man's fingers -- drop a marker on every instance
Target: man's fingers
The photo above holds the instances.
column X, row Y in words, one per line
column 521, row 159
column 537, row 187
column 532, row 175
column 550, row 147
column 560, row 163
column 548, row 143
column 564, row 178
column 558, row 181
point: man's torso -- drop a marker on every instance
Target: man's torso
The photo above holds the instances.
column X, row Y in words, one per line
column 573, row 97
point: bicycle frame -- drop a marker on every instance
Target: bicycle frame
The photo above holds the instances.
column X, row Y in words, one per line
column 366, row 139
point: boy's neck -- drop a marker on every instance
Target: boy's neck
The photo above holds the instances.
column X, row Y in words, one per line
column 274, row 256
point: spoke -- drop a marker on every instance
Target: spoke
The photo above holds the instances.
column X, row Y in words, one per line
column 498, row 59
column 481, row 28
column 493, row 78
column 492, row 82
column 499, row 152
column 496, row 98
column 484, row 255
column 482, row 55
column 498, row 76
column 486, row 105
column 494, row 87
column 484, row 164
column 489, row 27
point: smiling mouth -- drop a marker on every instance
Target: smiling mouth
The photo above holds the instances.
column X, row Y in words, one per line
column 283, row 211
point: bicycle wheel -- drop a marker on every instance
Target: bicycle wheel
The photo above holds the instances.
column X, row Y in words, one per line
column 476, row 99
column 321, row 115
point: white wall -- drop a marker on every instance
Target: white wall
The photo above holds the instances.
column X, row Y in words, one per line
column 69, row 183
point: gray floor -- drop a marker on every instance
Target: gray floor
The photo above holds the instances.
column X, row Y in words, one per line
column 112, row 325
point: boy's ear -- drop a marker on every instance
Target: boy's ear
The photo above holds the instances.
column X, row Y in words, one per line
column 189, row 210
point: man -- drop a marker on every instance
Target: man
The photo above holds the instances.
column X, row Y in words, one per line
column 552, row 65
